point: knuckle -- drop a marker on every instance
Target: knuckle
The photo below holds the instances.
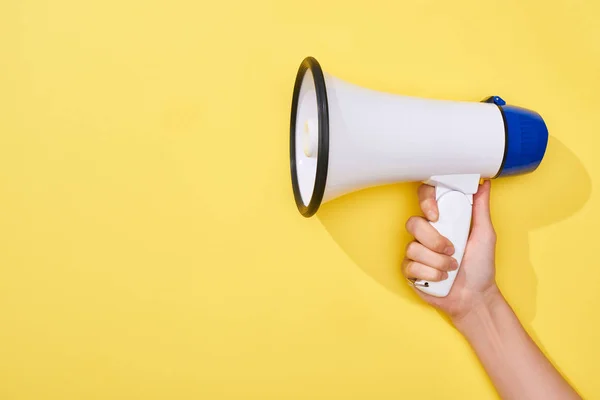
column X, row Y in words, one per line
column 439, row 244
column 414, row 270
column 403, row 268
column 411, row 249
column 411, row 223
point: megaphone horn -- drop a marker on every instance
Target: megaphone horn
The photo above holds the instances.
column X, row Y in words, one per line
column 344, row 137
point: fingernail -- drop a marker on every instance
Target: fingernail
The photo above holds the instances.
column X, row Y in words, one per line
column 444, row 275
column 431, row 215
column 454, row 265
column 449, row 250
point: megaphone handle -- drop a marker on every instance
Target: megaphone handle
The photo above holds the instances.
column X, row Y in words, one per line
column 454, row 222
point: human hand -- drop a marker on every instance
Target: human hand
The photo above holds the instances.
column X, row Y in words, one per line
column 428, row 257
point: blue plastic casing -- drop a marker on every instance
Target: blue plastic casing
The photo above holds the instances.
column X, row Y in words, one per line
column 526, row 138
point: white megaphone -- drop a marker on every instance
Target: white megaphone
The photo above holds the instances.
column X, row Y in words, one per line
column 345, row 138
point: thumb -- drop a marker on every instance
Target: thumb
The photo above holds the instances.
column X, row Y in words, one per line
column 482, row 220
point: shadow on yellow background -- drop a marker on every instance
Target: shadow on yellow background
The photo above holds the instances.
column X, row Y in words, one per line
column 369, row 225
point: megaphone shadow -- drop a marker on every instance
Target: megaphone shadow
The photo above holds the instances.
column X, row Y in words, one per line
column 369, row 225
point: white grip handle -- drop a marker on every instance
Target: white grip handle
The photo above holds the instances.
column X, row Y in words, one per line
column 454, row 222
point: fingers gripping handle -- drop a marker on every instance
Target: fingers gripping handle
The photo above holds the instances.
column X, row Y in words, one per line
column 454, row 222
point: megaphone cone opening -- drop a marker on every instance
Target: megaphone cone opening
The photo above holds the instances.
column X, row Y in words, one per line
column 313, row 167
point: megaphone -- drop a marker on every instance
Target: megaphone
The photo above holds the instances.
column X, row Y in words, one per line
column 344, row 137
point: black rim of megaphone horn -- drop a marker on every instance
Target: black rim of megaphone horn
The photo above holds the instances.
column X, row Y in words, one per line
column 310, row 63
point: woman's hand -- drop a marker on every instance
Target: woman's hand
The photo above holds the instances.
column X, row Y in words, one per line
column 516, row 366
column 428, row 257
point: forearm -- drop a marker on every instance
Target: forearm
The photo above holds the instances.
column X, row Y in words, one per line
column 514, row 363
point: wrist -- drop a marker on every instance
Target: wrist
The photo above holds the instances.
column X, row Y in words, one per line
column 481, row 309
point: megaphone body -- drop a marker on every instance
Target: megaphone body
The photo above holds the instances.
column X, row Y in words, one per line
column 344, row 138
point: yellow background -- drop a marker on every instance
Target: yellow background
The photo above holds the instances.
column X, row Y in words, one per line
column 150, row 247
